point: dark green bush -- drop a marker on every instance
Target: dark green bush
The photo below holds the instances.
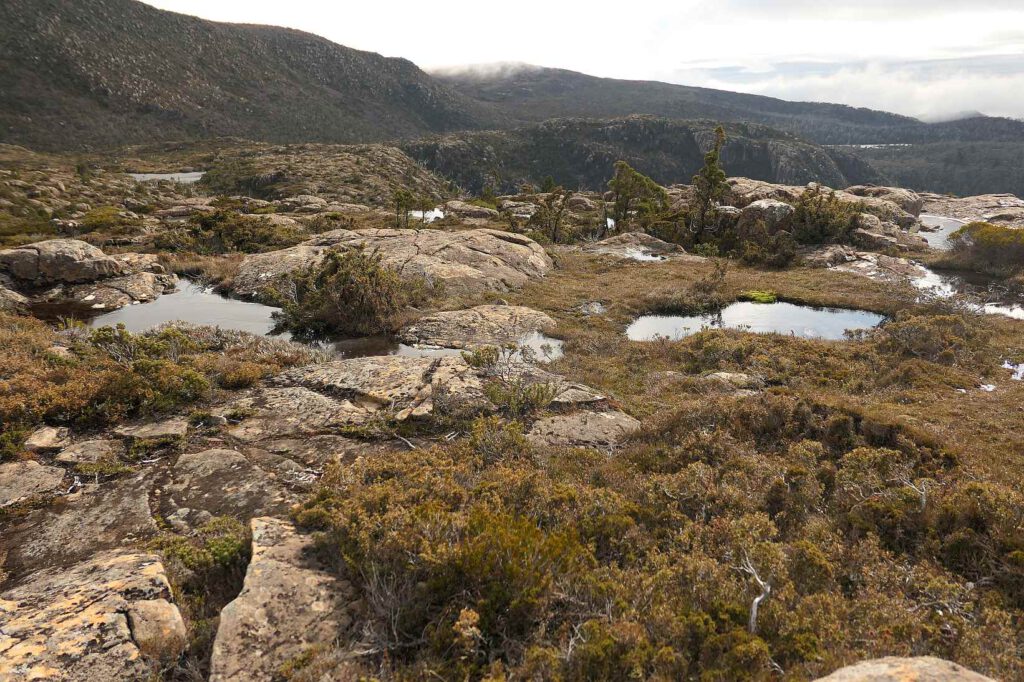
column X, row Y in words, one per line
column 349, row 293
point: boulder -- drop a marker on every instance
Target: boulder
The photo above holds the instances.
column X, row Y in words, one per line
column 48, row 439
column 58, row 261
column 468, row 261
column 520, row 209
column 463, row 210
column 107, row 618
column 638, row 246
column 918, row 669
column 772, row 213
column 735, row 381
column 909, row 201
column 578, row 202
column 485, row 325
column 583, row 429
column 20, row 481
column 11, row 301
column 290, row 601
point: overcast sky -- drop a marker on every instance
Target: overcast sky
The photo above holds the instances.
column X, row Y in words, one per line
column 917, row 57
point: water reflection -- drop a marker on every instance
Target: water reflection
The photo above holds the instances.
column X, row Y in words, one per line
column 780, row 318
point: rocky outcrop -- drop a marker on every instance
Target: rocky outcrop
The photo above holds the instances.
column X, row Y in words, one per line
column 20, row 481
column 468, row 261
column 918, row 669
column 743, row 192
column 638, row 246
column 1000, row 209
column 110, row 617
column 72, row 272
column 909, row 201
column 485, row 325
column 290, row 601
column 463, row 210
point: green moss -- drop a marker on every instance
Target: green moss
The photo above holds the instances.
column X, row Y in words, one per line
column 759, row 296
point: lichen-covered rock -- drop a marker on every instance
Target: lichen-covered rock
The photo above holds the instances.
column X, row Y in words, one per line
column 485, row 325
column 91, row 451
column 918, row 669
column 101, row 619
column 94, row 519
column 289, row 602
column 468, row 261
column 583, row 429
column 21, row 481
column 223, row 482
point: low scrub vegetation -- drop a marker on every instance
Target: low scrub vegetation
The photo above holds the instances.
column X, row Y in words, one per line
column 349, row 293
column 988, row 248
column 93, row 378
column 229, row 232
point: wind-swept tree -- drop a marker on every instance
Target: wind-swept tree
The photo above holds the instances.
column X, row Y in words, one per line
column 635, row 194
column 710, row 188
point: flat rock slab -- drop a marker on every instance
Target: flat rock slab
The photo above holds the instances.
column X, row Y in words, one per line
column 224, row 482
column 91, row 452
column 639, row 246
column 583, row 429
column 275, row 412
column 95, row 519
column 413, row 387
column 468, row 261
column 1003, row 209
column 484, row 325
column 97, row 620
column 20, row 481
column 289, row 602
column 170, row 428
column 892, row 669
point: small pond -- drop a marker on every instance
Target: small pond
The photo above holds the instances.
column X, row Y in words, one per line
column 196, row 304
column 943, row 227
column 183, row 178
column 779, row 318
column 200, row 305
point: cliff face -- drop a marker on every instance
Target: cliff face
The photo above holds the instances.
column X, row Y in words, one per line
column 80, row 73
column 581, row 153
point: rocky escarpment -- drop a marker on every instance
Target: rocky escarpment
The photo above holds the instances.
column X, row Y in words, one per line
column 73, row 272
column 470, row 261
column 581, row 153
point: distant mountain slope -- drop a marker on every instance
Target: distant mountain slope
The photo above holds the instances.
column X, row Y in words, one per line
column 80, row 73
column 536, row 94
column 579, row 153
